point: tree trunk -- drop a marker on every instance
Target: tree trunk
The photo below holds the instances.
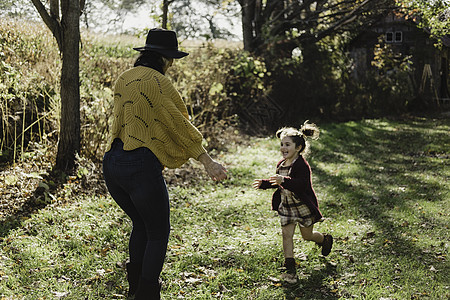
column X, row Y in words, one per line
column 248, row 16
column 165, row 13
column 69, row 136
column 67, row 34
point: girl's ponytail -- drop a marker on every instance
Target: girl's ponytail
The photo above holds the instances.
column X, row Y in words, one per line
column 310, row 130
column 299, row 136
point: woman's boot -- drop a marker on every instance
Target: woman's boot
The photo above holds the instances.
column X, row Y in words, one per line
column 134, row 271
column 148, row 290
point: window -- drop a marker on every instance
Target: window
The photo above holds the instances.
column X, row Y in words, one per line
column 389, row 37
column 394, row 37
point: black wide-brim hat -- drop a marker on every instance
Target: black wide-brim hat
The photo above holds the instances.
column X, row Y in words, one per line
column 164, row 42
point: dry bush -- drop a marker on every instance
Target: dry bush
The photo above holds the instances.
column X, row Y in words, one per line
column 29, row 89
column 29, row 72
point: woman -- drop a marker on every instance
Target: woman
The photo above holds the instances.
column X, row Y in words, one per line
column 150, row 131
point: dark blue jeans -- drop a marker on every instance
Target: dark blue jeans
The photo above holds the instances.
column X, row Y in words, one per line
column 134, row 179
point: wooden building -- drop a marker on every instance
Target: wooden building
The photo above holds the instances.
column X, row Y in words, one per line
column 430, row 78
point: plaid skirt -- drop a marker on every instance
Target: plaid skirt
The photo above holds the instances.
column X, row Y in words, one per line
column 292, row 209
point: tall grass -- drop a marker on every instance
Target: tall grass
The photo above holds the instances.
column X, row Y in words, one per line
column 383, row 187
column 29, row 90
column 28, row 79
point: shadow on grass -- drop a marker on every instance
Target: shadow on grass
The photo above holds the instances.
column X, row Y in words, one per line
column 380, row 172
column 54, row 187
column 37, row 200
column 312, row 287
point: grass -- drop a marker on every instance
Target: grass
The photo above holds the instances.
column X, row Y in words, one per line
column 383, row 187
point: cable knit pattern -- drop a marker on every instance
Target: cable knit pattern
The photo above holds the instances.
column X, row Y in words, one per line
column 149, row 112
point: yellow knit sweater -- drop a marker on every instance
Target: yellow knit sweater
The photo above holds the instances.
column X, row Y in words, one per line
column 149, row 112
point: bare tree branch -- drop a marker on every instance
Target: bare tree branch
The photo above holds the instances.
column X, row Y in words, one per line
column 348, row 18
column 82, row 5
column 52, row 23
column 54, row 9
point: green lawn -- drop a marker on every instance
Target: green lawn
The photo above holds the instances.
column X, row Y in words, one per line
column 383, row 187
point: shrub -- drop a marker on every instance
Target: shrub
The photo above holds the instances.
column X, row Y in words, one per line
column 29, row 89
column 102, row 59
column 28, row 76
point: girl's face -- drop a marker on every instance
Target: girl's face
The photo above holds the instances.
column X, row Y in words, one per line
column 288, row 149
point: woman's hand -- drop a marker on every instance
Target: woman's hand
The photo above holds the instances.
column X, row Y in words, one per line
column 256, row 183
column 215, row 170
column 276, row 179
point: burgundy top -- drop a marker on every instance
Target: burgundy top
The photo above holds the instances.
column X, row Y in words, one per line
column 299, row 182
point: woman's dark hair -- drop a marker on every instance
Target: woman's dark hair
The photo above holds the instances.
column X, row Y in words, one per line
column 298, row 135
column 152, row 60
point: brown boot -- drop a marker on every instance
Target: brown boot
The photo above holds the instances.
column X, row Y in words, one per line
column 289, row 264
column 326, row 244
column 290, row 275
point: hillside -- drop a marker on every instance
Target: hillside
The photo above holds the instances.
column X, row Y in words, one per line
column 383, row 187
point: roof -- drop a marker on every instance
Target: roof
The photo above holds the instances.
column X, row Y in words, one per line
column 407, row 19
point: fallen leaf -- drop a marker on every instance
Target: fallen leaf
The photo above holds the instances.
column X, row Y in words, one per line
column 60, row 294
column 193, row 280
column 274, row 279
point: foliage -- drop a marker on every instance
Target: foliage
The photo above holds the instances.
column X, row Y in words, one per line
column 382, row 186
column 17, row 8
column 203, row 19
column 202, row 79
column 28, row 87
column 387, row 89
column 310, row 86
column 250, row 71
column 392, row 79
column 249, row 80
column 275, row 28
column 433, row 16
column 63, row 19
column 97, row 11
column 102, row 59
column 319, row 81
column 29, row 90
column 101, row 62
column 218, row 83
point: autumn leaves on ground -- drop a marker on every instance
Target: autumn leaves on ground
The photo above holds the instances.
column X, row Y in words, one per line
column 383, row 188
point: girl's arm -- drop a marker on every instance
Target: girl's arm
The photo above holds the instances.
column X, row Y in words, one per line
column 299, row 179
column 263, row 184
column 294, row 184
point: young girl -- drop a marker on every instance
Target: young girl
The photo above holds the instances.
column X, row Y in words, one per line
column 295, row 199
